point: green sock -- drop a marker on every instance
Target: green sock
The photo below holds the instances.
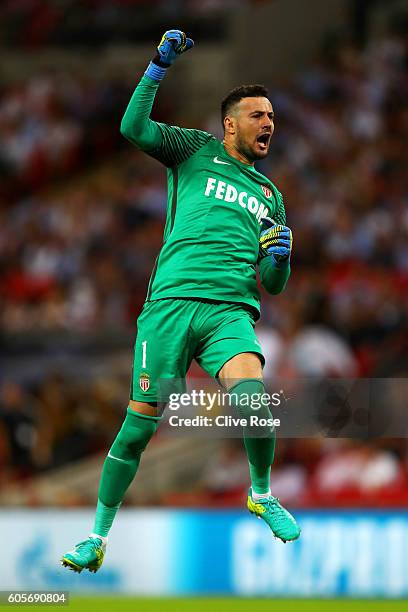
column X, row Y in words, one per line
column 260, row 450
column 121, row 466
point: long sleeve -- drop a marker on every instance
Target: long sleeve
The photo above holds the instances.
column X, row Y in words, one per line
column 171, row 145
column 136, row 124
column 273, row 280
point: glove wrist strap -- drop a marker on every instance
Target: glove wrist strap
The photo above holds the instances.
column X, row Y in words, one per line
column 155, row 72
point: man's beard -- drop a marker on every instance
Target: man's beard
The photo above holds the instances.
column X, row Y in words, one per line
column 246, row 150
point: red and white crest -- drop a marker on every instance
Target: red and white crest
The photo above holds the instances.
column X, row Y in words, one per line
column 144, row 382
column 267, row 191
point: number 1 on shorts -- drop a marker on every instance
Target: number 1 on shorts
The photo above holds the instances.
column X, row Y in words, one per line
column 144, row 345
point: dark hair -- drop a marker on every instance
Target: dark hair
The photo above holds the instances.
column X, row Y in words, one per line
column 243, row 91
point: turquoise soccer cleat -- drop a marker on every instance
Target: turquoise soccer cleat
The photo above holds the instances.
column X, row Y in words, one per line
column 88, row 554
column 280, row 521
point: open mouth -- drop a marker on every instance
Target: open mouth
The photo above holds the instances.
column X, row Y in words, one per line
column 263, row 140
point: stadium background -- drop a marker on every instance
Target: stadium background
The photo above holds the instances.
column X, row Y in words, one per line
column 81, row 222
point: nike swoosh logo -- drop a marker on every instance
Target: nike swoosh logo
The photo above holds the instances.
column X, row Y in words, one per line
column 117, row 458
column 219, row 161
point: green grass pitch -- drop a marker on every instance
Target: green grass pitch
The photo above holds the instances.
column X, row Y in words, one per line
column 127, row 604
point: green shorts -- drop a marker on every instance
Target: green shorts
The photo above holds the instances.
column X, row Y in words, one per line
column 173, row 332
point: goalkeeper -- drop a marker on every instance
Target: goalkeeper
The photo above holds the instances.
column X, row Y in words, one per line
column 223, row 219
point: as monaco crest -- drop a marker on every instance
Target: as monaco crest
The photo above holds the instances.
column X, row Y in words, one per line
column 267, row 191
column 144, row 382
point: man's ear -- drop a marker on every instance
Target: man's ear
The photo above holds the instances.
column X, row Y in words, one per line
column 229, row 124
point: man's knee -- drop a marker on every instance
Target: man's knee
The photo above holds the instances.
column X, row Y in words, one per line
column 134, row 435
column 252, row 402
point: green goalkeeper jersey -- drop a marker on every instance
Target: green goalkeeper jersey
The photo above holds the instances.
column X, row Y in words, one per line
column 215, row 209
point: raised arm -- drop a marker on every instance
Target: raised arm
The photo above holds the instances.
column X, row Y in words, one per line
column 169, row 144
column 136, row 124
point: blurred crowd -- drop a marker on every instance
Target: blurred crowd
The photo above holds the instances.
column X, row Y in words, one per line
column 48, row 424
column 76, row 256
column 95, row 23
column 52, row 125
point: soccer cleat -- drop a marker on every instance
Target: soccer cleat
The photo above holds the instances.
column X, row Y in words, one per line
column 88, row 554
column 280, row 521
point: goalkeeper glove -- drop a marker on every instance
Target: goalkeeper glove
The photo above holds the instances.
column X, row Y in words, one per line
column 276, row 241
column 172, row 44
